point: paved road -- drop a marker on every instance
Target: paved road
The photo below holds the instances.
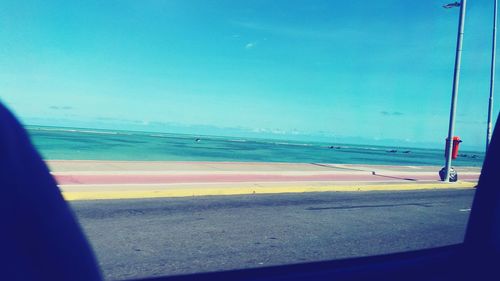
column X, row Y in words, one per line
column 153, row 237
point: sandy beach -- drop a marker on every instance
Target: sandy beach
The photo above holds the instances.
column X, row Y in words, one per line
column 88, row 180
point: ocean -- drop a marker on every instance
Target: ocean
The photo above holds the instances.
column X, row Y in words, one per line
column 56, row 143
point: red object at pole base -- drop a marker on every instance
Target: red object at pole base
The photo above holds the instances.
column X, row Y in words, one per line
column 455, row 147
column 456, row 144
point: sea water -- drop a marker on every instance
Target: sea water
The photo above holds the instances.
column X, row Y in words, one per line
column 92, row 144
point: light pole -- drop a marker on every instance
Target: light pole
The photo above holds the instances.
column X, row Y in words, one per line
column 456, row 78
column 492, row 76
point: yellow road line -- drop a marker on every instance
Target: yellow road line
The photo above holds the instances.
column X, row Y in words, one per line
column 179, row 191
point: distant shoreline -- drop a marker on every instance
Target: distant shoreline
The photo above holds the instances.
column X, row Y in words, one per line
column 92, row 144
column 234, row 138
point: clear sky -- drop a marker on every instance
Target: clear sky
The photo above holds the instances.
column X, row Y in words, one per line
column 361, row 71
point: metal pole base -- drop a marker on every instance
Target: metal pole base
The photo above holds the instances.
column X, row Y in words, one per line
column 453, row 174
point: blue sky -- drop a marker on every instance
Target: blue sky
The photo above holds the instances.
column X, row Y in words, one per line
column 345, row 71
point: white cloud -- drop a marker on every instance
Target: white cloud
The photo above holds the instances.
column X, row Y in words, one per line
column 298, row 31
column 279, row 132
column 259, row 130
column 250, row 45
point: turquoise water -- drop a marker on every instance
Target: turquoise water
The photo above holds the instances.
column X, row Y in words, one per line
column 90, row 144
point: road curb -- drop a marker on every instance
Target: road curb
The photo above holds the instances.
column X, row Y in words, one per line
column 98, row 192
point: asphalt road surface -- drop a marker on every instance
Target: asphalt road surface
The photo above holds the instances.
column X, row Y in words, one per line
column 155, row 237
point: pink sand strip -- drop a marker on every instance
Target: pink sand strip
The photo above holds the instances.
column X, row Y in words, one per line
column 213, row 178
